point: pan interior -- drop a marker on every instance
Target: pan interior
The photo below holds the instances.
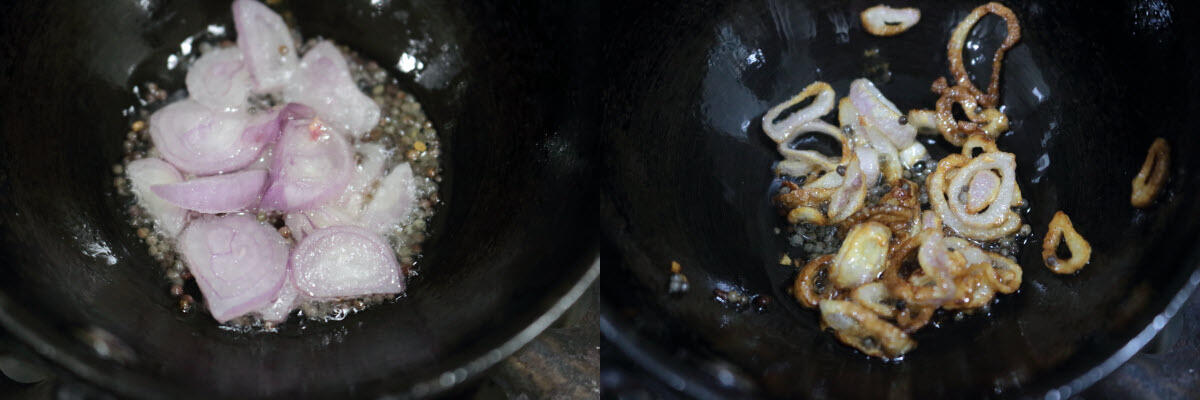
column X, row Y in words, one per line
column 492, row 79
column 688, row 173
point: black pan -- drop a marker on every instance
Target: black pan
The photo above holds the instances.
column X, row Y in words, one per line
column 495, row 83
column 687, row 177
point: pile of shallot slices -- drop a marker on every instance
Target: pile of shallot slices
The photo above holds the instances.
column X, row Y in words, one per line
column 927, row 240
column 221, row 162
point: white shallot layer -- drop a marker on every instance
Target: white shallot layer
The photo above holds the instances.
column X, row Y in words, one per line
column 201, row 141
column 285, row 301
column 239, row 263
column 324, row 83
column 393, row 201
column 266, row 44
column 345, row 261
column 148, row 172
column 220, row 80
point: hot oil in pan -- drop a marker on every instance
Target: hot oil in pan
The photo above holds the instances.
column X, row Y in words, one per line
column 403, row 130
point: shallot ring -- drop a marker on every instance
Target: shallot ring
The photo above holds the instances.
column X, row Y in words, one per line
column 914, row 317
column 981, row 120
column 805, row 287
column 809, row 215
column 822, row 104
column 1006, row 274
column 959, row 37
column 882, row 20
column 971, row 283
column 1081, row 251
column 900, row 287
column 1152, row 176
column 983, row 226
column 986, row 144
column 813, row 157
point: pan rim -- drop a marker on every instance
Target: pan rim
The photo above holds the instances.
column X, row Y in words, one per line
column 633, row 345
column 49, row 346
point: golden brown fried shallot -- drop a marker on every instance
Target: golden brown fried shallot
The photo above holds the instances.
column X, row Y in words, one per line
column 899, row 209
column 813, row 284
column 875, row 297
column 858, row 327
column 1081, row 251
column 862, row 257
column 1153, row 175
column 954, row 50
column 948, row 195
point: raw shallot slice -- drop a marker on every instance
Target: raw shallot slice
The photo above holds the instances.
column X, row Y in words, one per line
column 266, row 44
column 312, row 164
column 148, row 172
column 217, row 193
column 239, row 263
column 345, row 261
column 393, row 200
column 324, row 83
column 198, row 140
column 279, row 309
column 219, row 80
column 299, row 224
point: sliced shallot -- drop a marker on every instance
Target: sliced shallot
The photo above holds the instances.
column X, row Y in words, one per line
column 198, row 140
column 266, row 44
column 215, row 194
column 239, row 263
column 822, row 103
column 280, row 308
column 312, row 164
column 392, row 201
column 882, row 20
column 345, row 261
column 324, row 83
column 881, row 114
column 148, row 172
column 219, row 79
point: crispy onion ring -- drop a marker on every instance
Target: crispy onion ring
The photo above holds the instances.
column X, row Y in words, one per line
column 848, row 198
column 813, row 284
column 909, row 285
column 948, row 181
column 1153, row 175
column 954, row 51
column 913, row 317
column 860, row 328
column 814, row 159
column 807, row 215
column 801, row 197
column 974, row 288
column 899, row 209
column 821, row 105
column 989, row 121
column 1006, row 274
column 882, row 20
column 1081, row 251
column 875, row 297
